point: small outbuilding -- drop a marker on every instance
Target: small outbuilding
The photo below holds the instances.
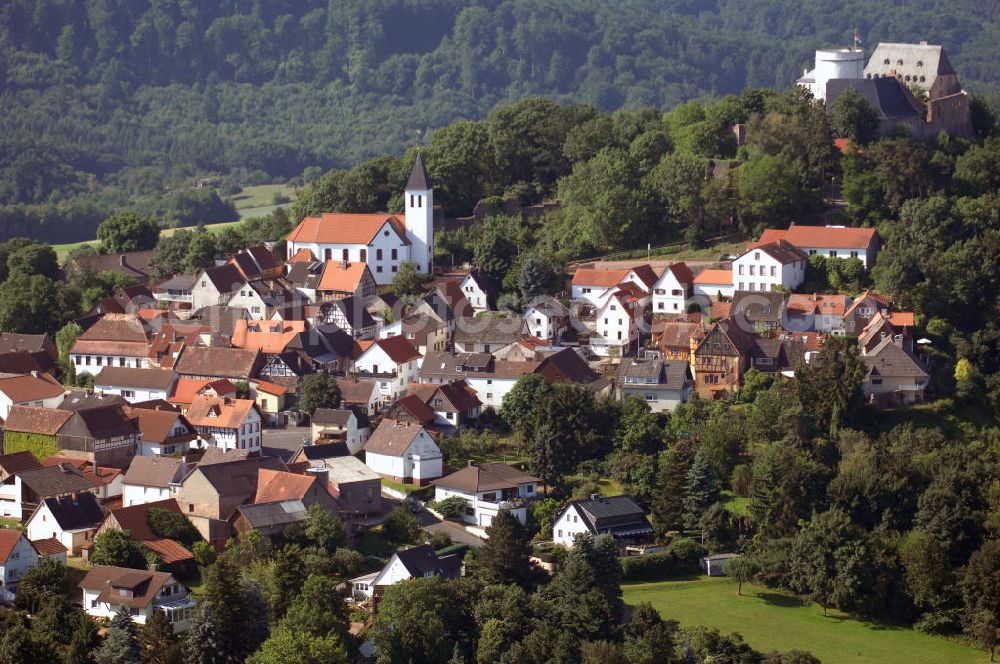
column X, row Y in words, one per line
column 715, row 564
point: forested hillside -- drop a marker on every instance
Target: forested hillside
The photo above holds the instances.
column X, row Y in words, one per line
column 107, row 101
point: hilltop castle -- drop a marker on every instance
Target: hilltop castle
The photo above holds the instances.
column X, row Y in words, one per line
column 888, row 82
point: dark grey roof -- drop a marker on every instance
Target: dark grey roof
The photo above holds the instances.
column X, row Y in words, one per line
column 419, row 179
column 224, row 277
column 151, row 378
column 617, row 515
column 886, row 95
column 637, row 371
column 758, row 306
column 326, row 451
column 238, row 478
column 76, row 512
column 783, row 252
column 55, row 480
column 488, row 329
column 337, row 416
column 12, row 342
column 420, row 560
column 890, row 358
column 278, row 513
column 178, row 282
column 83, row 400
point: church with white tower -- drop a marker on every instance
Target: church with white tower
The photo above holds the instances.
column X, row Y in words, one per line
column 382, row 240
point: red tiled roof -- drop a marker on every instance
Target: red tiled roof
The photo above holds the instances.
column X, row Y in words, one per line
column 834, row 237
column 337, row 277
column 187, row 389
column 399, row 349
column 206, row 411
column 303, row 255
column 49, row 546
column 681, row 271
column 588, row 276
column 168, row 550
column 268, row 336
column 276, row 485
column 8, row 540
column 270, row 388
column 714, row 277
column 28, row 419
column 30, row 388
column 901, row 318
column 343, row 228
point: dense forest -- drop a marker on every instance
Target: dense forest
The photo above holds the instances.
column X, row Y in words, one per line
column 106, row 104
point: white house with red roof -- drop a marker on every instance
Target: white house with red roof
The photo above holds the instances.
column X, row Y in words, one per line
column 381, row 240
column 17, row 556
column 229, row 424
column 592, row 285
column 35, row 389
column 829, row 241
column 119, row 340
column 393, row 362
column 672, row 289
column 618, row 321
column 713, row 283
column 771, row 266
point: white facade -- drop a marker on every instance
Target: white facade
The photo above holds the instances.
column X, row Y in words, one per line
column 247, row 298
column 6, row 402
column 157, row 448
column 866, row 257
column 475, row 295
column 246, row 436
column 42, row 525
column 420, row 461
column 419, row 209
column 136, row 494
column 833, row 63
column 568, row 526
column 10, row 498
column 756, row 270
column 617, row 327
column 545, row 325
column 383, row 255
column 590, row 294
column 489, row 389
column 659, row 398
column 134, row 394
column 669, row 294
column 392, row 378
column 93, row 363
column 21, row 558
column 713, row 289
column 172, row 596
column 483, row 506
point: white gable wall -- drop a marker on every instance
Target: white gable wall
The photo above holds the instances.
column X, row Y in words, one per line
column 567, row 526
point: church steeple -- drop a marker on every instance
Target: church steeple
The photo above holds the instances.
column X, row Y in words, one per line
column 419, row 180
column 419, row 209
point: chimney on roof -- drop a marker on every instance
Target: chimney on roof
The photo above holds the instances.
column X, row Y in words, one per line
column 595, row 497
column 34, row 373
column 471, row 464
column 343, row 265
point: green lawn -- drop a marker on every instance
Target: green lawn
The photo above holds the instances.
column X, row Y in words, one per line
column 735, row 504
column 63, row 249
column 261, row 195
column 771, row 620
column 9, row 523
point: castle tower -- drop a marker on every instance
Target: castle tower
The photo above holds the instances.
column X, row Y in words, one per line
column 833, row 63
column 419, row 207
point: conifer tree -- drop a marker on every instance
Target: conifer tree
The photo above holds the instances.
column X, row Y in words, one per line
column 702, row 489
column 120, row 645
column 504, row 556
column 671, row 486
column 157, row 642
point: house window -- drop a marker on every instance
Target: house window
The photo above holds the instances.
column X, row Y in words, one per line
column 660, row 305
column 833, row 253
column 99, row 360
column 752, row 270
column 328, row 254
column 772, row 271
column 614, row 307
column 378, row 268
column 378, row 254
column 363, row 255
column 489, row 396
column 394, row 254
column 128, row 394
column 854, row 254
column 741, row 269
column 345, row 255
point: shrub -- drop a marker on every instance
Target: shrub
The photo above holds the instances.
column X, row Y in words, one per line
column 451, row 508
column 171, row 525
column 651, row 567
column 401, row 526
column 688, row 554
column 204, row 553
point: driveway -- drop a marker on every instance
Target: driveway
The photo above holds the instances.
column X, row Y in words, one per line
column 457, row 533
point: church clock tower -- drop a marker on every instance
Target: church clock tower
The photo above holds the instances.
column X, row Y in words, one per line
column 419, row 206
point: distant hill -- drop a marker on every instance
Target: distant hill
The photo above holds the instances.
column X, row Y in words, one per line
column 130, row 96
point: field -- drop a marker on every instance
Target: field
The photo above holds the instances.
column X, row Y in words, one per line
column 256, row 201
column 770, row 620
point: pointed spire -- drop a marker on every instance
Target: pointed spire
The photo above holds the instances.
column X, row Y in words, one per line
column 419, row 178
